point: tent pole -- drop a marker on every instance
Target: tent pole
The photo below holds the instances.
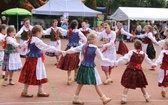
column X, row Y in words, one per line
column 94, row 22
column 128, row 25
column 32, row 20
column 17, row 23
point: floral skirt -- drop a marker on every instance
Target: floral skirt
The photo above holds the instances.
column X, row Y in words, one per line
column 28, row 73
column 133, row 79
column 69, row 61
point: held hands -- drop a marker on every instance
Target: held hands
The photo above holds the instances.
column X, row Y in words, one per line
column 100, row 46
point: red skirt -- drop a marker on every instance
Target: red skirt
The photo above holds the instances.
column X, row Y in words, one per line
column 28, row 73
column 69, row 61
column 133, row 79
column 122, row 49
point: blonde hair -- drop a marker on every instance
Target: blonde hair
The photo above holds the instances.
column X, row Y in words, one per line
column 166, row 42
column 149, row 27
column 91, row 37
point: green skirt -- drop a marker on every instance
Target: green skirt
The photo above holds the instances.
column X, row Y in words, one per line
column 86, row 76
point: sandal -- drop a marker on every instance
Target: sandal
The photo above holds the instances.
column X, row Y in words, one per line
column 25, row 94
column 11, row 82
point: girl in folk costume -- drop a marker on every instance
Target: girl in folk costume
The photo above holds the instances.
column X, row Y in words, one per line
column 120, row 45
column 11, row 61
column 33, row 72
column 70, row 61
column 108, row 49
column 24, row 34
column 87, row 73
column 149, row 40
column 55, row 41
column 3, row 29
column 85, row 30
column 133, row 76
column 163, row 73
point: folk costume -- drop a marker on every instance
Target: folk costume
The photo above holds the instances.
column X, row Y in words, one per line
column 24, row 33
column 121, row 48
column 148, row 46
column 33, row 72
column 71, row 61
column 55, row 41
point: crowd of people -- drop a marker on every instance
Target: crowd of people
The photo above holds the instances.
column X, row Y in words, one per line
column 82, row 48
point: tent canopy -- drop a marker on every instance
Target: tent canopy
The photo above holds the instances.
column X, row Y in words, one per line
column 72, row 7
column 138, row 13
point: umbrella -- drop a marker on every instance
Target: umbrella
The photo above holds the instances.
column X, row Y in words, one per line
column 16, row 11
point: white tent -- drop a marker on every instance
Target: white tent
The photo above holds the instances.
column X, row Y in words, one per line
column 72, row 7
column 139, row 13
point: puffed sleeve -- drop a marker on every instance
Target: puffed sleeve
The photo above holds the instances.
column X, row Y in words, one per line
column 82, row 37
column 141, row 36
column 161, row 43
column 12, row 41
column 44, row 47
column 159, row 59
column 47, row 31
column 62, row 31
column 125, row 33
column 20, row 32
column 100, row 35
column 102, row 58
column 112, row 40
column 152, row 37
column 73, row 50
column 125, row 59
column 149, row 61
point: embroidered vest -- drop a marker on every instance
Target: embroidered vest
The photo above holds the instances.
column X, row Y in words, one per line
column 73, row 40
column 85, row 32
column 54, row 35
column 164, row 64
column 34, row 52
column 147, row 40
column 89, row 56
column 10, row 49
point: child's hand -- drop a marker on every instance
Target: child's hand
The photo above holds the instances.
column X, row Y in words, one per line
column 59, row 52
column 100, row 46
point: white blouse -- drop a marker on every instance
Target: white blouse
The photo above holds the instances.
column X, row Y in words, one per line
column 61, row 30
column 126, row 58
column 123, row 32
column 12, row 41
column 23, row 29
column 111, row 37
column 97, row 52
column 149, row 35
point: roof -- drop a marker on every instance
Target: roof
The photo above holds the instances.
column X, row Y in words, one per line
column 139, row 13
column 72, row 7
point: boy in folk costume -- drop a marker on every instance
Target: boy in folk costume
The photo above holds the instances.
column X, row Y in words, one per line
column 108, row 49
column 120, row 45
column 71, row 61
column 88, row 74
column 24, row 34
column 163, row 73
column 55, row 41
column 149, row 41
column 11, row 61
column 33, row 72
column 133, row 76
column 3, row 29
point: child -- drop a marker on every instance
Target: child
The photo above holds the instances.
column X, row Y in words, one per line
column 87, row 73
column 11, row 61
column 162, row 42
column 163, row 73
column 33, row 72
column 120, row 45
column 55, row 41
column 149, row 40
column 85, row 30
column 108, row 49
column 24, row 32
column 70, row 61
column 3, row 29
column 133, row 76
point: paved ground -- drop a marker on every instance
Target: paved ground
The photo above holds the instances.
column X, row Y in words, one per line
column 61, row 94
